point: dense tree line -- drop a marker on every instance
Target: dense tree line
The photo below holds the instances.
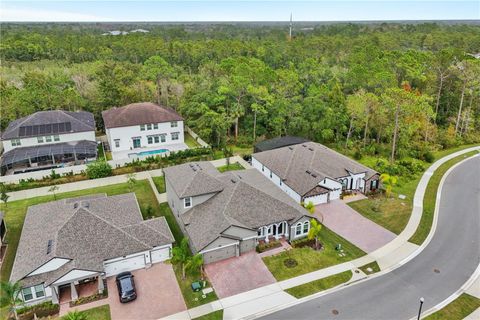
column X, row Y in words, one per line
column 391, row 89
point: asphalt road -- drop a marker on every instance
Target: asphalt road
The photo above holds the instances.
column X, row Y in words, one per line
column 454, row 251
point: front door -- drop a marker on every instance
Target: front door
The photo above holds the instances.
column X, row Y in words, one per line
column 136, row 143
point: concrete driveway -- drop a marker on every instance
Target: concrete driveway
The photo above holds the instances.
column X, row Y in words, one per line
column 239, row 274
column 351, row 225
column 158, row 295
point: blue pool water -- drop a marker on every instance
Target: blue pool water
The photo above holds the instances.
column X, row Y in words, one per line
column 151, row 152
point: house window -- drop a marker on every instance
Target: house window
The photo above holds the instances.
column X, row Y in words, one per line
column 187, row 202
column 305, row 227
column 39, row 140
column 150, row 140
column 174, row 135
column 142, row 127
column 298, row 229
column 162, row 138
column 157, row 139
column 149, row 127
column 27, row 294
column 39, row 291
column 48, row 138
column 56, row 138
column 155, row 126
column 16, row 142
column 117, row 143
column 174, row 124
column 260, row 232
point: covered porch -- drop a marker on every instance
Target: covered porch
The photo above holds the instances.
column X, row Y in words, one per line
column 273, row 231
column 71, row 290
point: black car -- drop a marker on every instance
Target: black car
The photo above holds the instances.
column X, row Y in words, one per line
column 126, row 287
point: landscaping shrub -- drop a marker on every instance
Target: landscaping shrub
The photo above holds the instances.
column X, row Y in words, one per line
column 305, row 242
column 358, row 155
column 41, row 310
column 93, row 297
column 262, row 247
column 99, row 169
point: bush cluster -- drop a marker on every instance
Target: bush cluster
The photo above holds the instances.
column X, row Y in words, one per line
column 42, row 310
column 98, row 169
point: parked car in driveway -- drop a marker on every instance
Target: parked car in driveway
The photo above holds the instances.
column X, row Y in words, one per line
column 126, row 287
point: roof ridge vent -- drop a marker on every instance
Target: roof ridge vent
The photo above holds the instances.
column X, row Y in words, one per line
column 304, row 145
column 291, row 148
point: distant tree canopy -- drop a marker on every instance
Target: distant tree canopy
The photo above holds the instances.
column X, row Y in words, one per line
column 396, row 89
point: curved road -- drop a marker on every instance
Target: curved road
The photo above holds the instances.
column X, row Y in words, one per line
column 454, row 250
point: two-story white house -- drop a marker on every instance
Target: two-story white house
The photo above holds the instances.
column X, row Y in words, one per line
column 143, row 128
column 311, row 172
column 48, row 139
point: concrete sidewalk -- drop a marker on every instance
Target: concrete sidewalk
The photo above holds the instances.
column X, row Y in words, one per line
column 250, row 304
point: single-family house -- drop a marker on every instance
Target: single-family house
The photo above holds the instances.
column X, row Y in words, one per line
column 48, row 139
column 311, row 172
column 225, row 214
column 68, row 243
column 143, row 128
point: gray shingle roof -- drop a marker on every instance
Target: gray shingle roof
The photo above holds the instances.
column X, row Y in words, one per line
column 292, row 163
column 87, row 230
column 193, row 179
column 80, row 121
column 248, row 200
column 137, row 114
column 278, row 142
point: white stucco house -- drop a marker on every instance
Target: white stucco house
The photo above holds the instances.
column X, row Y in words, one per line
column 142, row 129
column 48, row 139
column 311, row 172
column 70, row 243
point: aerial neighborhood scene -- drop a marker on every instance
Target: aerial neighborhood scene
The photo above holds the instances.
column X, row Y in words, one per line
column 240, row 160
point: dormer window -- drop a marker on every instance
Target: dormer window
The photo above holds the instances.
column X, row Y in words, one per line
column 187, row 202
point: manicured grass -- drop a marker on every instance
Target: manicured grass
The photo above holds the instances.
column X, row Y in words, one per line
column 319, row 285
column 457, row 309
column 310, row 260
column 159, row 183
column 108, row 154
column 215, row 315
column 231, row 167
column 166, row 212
column 100, row 153
column 373, row 265
column 98, row 313
column 430, row 196
column 443, row 153
column 192, row 299
column 15, row 212
column 190, row 142
column 237, row 151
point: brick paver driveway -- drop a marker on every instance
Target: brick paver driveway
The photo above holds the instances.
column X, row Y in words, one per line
column 239, row 274
column 158, row 295
column 351, row 225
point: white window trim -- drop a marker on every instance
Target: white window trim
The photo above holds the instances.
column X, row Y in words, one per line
column 298, row 227
column 117, row 143
column 33, row 292
column 185, row 202
column 173, row 124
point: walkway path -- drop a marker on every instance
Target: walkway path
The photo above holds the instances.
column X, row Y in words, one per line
column 264, row 300
column 351, row 225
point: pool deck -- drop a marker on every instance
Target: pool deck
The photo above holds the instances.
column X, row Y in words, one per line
column 121, row 155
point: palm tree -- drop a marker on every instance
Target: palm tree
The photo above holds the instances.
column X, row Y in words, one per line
column 194, row 263
column 314, row 232
column 310, row 207
column 10, row 296
column 180, row 254
column 388, row 181
column 53, row 189
column 74, row 315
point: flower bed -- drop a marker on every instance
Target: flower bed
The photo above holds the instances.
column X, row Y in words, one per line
column 93, row 297
column 264, row 246
column 41, row 310
column 306, row 243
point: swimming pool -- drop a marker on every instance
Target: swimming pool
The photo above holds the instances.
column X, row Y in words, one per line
column 149, row 153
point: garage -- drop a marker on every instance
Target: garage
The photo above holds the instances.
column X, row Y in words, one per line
column 247, row 245
column 219, row 254
column 318, row 199
column 116, row 266
column 160, row 254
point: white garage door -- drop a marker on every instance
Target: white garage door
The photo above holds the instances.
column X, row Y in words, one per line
column 160, row 255
column 127, row 264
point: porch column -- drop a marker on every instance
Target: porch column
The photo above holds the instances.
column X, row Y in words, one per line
column 286, row 230
column 266, row 234
column 30, row 161
column 54, row 295
column 100, row 284
column 237, row 250
column 276, row 231
column 73, row 290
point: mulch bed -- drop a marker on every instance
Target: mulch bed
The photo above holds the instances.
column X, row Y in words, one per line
column 307, row 243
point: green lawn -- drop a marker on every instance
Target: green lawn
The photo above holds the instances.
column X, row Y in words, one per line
column 192, row 299
column 190, row 142
column 457, row 309
column 15, row 212
column 166, row 212
column 310, row 260
column 100, row 153
column 231, row 167
column 319, row 285
column 215, row 315
column 430, row 196
column 159, row 183
column 237, row 151
column 442, row 153
column 98, row 313
column 373, row 265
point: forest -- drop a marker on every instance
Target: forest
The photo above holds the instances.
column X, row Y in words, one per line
column 394, row 90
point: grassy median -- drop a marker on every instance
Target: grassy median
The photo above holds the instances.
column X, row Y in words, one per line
column 457, row 309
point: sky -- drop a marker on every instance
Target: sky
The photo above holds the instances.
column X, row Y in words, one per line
column 238, row 10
